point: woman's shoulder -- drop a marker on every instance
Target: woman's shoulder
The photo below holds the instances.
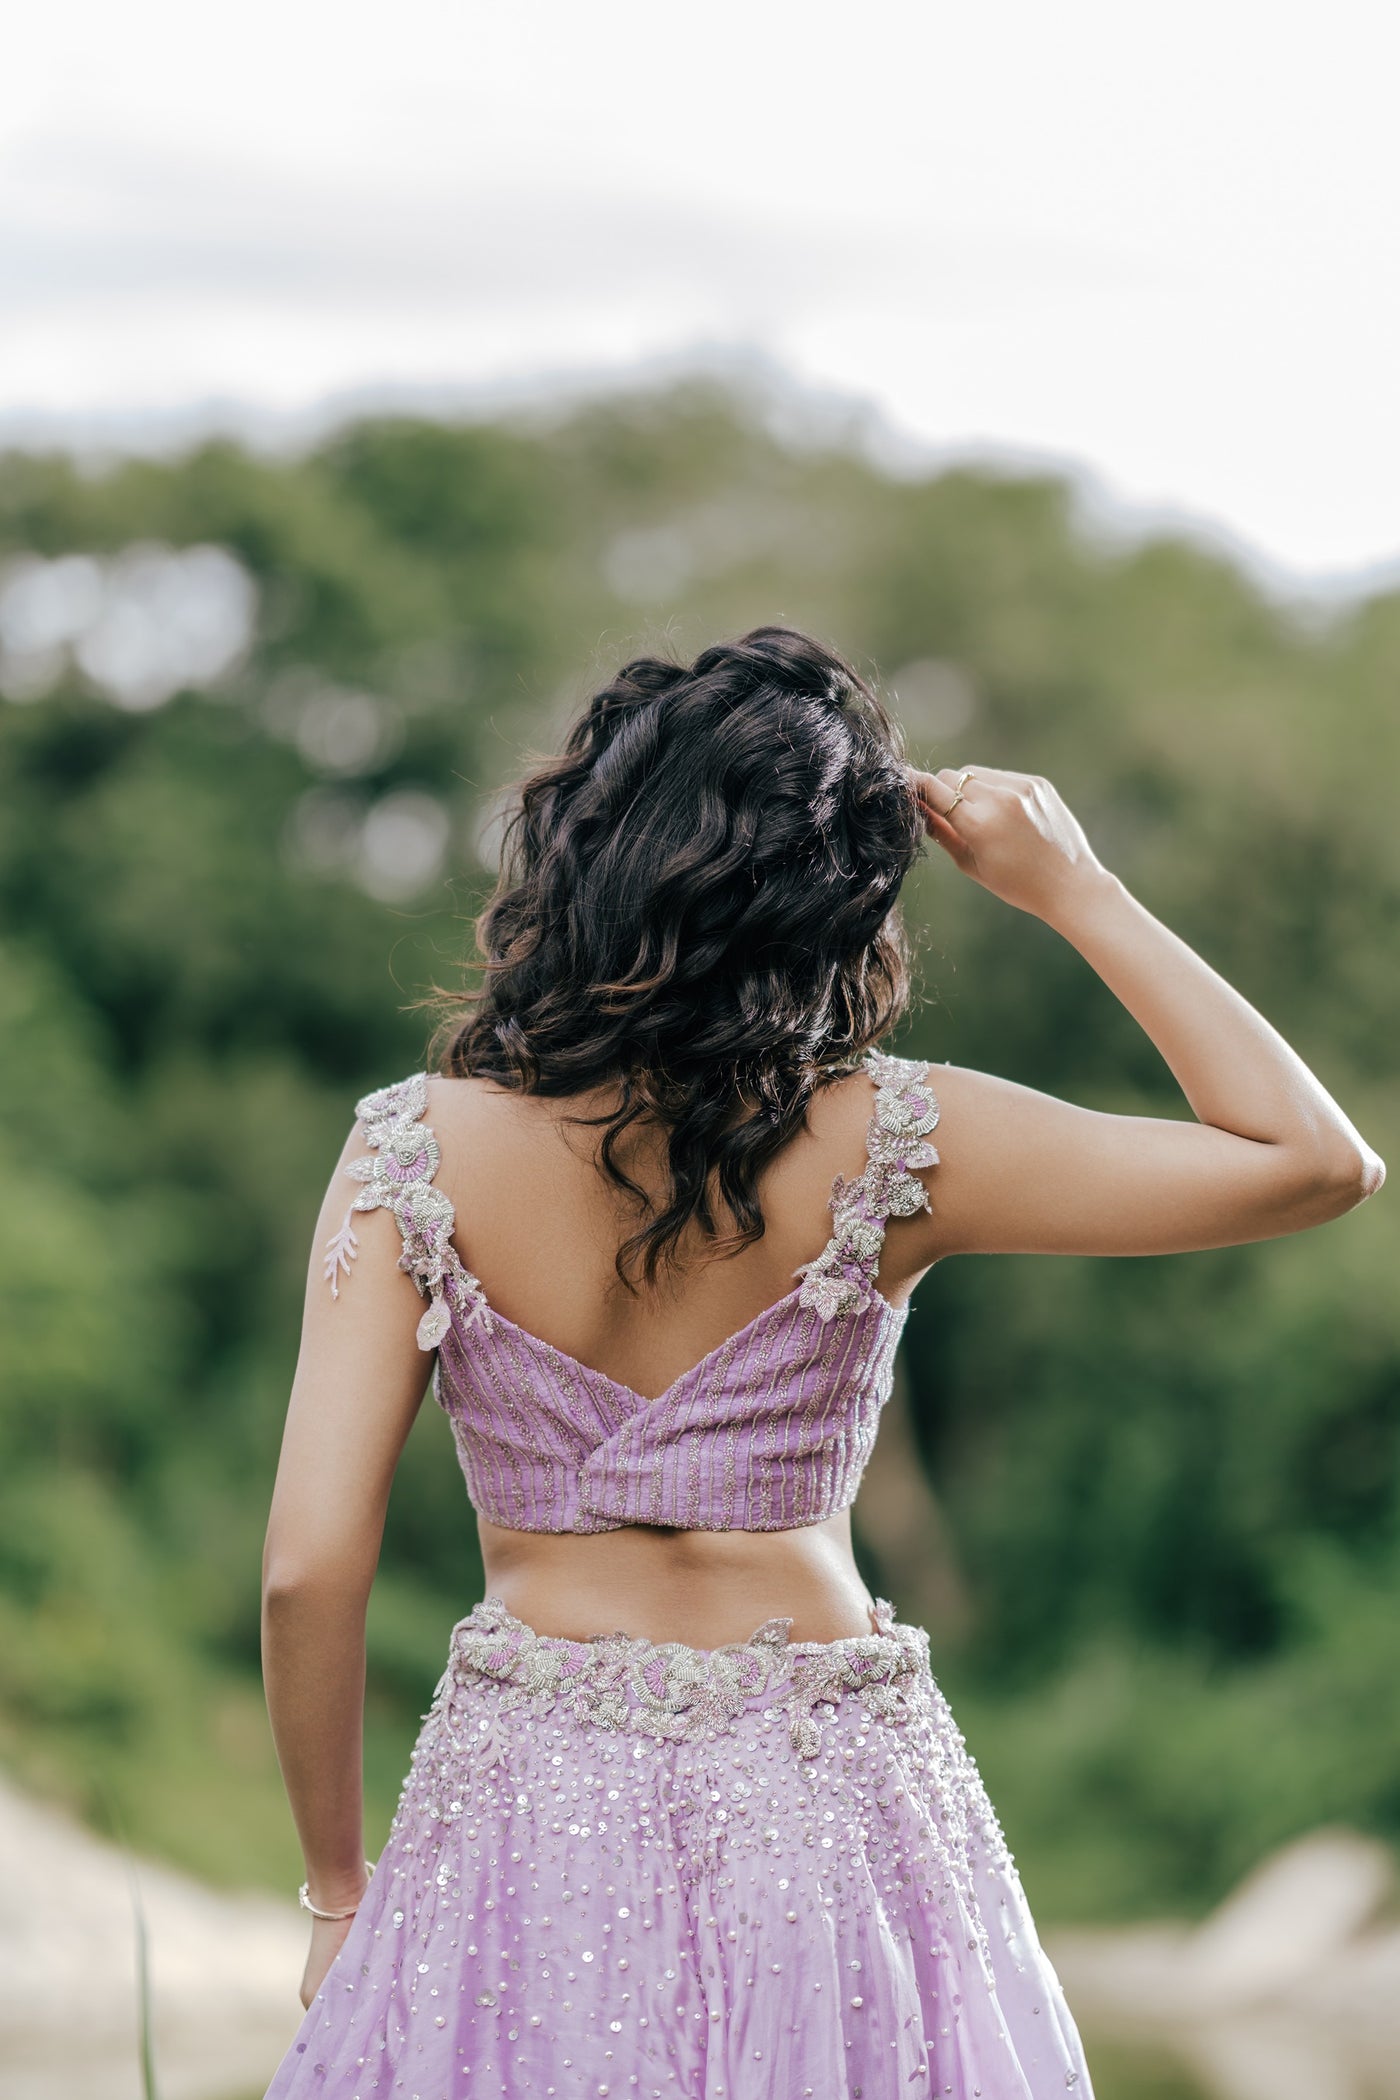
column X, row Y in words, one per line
column 875, row 1093
column 452, row 1095
column 425, row 1095
column 879, row 1083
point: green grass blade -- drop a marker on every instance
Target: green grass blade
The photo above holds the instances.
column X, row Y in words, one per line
column 146, row 2041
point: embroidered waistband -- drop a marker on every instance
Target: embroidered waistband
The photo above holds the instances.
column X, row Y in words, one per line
column 670, row 1691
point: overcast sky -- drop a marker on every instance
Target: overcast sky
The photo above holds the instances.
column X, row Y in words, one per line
column 1161, row 242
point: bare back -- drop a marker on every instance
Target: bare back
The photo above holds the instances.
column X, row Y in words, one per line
column 539, row 1225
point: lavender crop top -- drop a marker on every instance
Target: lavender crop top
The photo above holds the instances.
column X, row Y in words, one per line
column 770, row 1430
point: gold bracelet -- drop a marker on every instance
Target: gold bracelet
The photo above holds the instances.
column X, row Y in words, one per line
column 330, row 1917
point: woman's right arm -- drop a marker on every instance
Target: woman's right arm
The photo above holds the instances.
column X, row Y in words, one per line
column 359, row 1382
column 1270, row 1151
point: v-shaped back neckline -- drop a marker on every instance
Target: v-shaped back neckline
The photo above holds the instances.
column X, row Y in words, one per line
column 695, row 1370
column 397, row 1175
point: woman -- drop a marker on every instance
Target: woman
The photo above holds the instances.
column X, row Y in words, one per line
column 688, row 1815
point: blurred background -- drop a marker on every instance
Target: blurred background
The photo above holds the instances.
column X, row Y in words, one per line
column 369, row 387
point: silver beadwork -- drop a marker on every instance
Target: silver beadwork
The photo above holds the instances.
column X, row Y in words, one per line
column 842, row 1278
column 671, row 1692
column 397, row 1175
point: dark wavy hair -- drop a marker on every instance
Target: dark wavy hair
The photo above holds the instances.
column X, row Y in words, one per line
column 698, row 907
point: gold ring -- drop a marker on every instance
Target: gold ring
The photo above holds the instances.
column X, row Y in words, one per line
column 963, row 779
column 953, row 804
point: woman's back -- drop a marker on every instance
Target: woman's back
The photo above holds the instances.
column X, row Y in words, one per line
column 659, row 1418
column 540, row 1227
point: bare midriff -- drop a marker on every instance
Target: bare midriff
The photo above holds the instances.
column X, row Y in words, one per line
column 704, row 1588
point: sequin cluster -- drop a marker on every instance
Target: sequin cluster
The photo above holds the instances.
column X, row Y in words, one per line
column 398, row 1176
column 842, row 1278
column 669, row 1691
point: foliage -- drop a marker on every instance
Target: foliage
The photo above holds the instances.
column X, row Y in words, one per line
column 1171, row 1486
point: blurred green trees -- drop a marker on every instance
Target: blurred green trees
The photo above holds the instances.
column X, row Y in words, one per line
column 1171, row 1487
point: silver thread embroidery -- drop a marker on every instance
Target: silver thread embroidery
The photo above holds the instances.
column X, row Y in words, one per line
column 842, row 1277
column 397, row 1174
column 672, row 1692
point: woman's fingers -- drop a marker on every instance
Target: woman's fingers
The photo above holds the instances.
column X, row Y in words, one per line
column 937, row 794
column 941, row 792
column 929, row 790
column 1009, row 831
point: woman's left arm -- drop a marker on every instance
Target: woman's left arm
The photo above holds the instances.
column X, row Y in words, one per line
column 359, row 1382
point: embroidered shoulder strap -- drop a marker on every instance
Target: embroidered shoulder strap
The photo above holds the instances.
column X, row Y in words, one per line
column 398, row 1175
column 842, row 1278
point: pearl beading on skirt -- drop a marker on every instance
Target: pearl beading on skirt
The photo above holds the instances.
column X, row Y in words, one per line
column 600, row 1911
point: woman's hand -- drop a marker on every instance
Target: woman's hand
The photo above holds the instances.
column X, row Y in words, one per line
column 1009, row 831
column 1023, row 1173
column 326, row 1942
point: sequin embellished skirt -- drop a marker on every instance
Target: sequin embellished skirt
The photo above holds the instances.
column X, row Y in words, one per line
column 641, row 1870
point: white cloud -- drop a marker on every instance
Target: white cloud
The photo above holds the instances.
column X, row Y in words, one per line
column 1159, row 244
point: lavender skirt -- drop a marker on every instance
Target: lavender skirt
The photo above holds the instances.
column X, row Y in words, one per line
column 640, row 1870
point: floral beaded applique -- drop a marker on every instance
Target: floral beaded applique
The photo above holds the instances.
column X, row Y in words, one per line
column 398, row 1176
column 842, row 1278
column 671, row 1692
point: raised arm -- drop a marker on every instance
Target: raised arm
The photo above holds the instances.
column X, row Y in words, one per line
column 1270, row 1151
column 359, row 1381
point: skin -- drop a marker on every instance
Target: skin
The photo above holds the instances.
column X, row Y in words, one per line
column 1268, row 1152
